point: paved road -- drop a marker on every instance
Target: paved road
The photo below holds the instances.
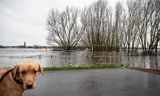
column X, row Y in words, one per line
column 100, row 82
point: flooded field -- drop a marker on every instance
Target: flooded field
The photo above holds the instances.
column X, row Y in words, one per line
column 9, row 57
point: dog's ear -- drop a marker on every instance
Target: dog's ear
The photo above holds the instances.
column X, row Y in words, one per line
column 41, row 70
column 15, row 70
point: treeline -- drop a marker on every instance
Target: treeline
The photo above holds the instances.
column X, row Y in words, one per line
column 132, row 26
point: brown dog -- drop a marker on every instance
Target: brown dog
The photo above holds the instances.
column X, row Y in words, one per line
column 19, row 78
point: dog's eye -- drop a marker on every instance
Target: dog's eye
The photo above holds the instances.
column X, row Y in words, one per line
column 34, row 71
column 23, row 72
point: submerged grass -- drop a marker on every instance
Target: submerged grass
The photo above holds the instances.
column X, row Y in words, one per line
column 97, row 66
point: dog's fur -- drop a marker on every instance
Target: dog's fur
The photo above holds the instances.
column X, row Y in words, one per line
column 19, row 78
column 2, row 71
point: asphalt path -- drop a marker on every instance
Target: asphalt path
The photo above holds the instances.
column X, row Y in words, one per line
column 99, row 82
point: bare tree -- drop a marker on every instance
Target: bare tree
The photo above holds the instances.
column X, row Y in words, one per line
column 96, row 19
column 149, row 26
column 143, row 24
column 133, row 24
column 63, row 28
column 154, row 24
column 100, row 28
column 119, row 26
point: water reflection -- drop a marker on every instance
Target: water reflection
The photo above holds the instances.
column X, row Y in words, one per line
column 9, row 57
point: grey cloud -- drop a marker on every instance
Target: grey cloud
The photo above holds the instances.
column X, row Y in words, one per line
column 25, row 20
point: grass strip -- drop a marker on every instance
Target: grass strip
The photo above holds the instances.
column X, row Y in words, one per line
column 96, row 66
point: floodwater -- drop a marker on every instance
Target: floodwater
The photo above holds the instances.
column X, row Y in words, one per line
column 10, row 56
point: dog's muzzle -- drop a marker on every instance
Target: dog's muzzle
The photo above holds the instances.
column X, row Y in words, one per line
column 29, row 85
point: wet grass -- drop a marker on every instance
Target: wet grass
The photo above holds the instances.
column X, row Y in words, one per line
column 97, row 66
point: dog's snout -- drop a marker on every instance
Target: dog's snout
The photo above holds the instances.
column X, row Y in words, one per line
column 29, row 85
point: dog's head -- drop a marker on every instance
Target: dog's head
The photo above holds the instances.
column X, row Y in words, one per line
column 25, row 73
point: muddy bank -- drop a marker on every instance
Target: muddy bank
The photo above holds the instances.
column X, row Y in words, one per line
column 153, row 71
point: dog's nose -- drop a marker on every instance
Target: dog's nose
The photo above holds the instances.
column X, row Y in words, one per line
column 29, row 85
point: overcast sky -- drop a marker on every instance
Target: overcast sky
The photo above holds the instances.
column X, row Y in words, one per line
column 25, row 20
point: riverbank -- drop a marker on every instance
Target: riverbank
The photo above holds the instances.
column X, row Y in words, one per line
column 96, row 66
column 153, row 71
column 100, row 66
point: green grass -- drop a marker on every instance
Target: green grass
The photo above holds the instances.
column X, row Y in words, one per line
column 97, row 66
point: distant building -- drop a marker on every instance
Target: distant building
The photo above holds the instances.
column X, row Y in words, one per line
column 1, row 46
column 24, row 44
